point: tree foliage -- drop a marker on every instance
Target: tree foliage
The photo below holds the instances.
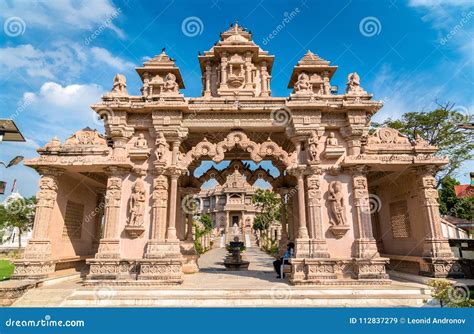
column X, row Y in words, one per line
column 18, row 213
column 269, row 205
column 439, row 128
column 450, row 205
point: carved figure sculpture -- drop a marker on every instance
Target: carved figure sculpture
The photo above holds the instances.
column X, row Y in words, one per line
column 313, row 146
column 337, row 208
column 137, row 204
column 161, row 146
column 331, row 140
column 170, row 85
column 141, row 141
column 120, row 84
column 303, row 84
column 353, row 85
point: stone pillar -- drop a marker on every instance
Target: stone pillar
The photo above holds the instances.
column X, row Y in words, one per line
column 248, row 71
column 109, row 246
column 107, row 263
column 365, row 244
column 207, row 90
column 37, row 262
column 224, row 72
column 368, row 263
column 302, row 236
column 318, row 245
column 437, row 255
column 291, row 218
column 171, row 231
column 189, row 230
column 264, row 79
column 98, row 220
column 283, row 219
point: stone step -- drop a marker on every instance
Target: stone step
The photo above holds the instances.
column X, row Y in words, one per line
column 280, row 295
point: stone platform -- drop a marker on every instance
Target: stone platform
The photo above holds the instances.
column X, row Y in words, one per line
column 215, row 287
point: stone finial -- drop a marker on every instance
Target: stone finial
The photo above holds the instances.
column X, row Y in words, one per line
column 353, row 85
column 120, row 85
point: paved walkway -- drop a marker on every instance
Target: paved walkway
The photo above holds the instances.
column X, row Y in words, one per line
column 213, row 274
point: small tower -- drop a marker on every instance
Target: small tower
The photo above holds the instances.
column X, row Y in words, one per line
column 236, row 66
column 161, row 77
column 311, row 76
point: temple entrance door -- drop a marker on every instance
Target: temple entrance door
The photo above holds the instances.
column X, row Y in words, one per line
column 235, row 220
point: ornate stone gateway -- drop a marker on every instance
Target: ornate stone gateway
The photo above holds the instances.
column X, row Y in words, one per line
column 355, row 202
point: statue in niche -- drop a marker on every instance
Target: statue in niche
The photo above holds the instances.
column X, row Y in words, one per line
column 331, row 140
column 137, row 204
column 337, row 207
column 353, row 85
column 141, row 142
column 161, row 147
column 120, row 85
column 313, row 146
column 326, row 84
column 170, row 85
column 303, row 84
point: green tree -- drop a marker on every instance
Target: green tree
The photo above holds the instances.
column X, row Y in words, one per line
column 269, row 205
column 18, row 213
column 439, row 128
column 450, row 205
column 202, row 227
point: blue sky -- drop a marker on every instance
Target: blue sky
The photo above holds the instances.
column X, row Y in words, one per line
column 58, row 57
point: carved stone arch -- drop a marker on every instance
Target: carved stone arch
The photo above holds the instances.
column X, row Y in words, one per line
column 212, row 173
column 260, row 173
column 238, row 139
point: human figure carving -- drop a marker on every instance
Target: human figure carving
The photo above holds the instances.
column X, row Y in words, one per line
column 137, row 204
column 336, row 203
column 331, row 140
column 303, row 84
column 170, row 85
column 120, row 84
column 313, row 146
column 161, row 146
column 141, row 141
column 353, row 85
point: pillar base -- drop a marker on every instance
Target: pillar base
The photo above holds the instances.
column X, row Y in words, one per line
column 162, row 249
column 33, row 269
column 371, row 268
column 319, row 249
column 338, row 271
column 365, row 248
column 108, row 249
column 437, row 248
column 165, row 271
column 440, row 267
column 112, row 269
column 302, row 247
column 191, row 256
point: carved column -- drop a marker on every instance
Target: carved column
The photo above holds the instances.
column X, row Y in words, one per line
column 368, row 263
column 291, row 214
column 207, row 91
column 437, row 255
column 319, row 248
column 248, row 70
column 365, row 244
column 174, row 174
column 37, row 262
column 302, row 236
column 283, row 219
column 224, row 71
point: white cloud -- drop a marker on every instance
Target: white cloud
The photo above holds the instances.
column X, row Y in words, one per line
column 57, row 110
column 64, row 61
column 432, row 3
column 103, row 56
column 64, row 14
